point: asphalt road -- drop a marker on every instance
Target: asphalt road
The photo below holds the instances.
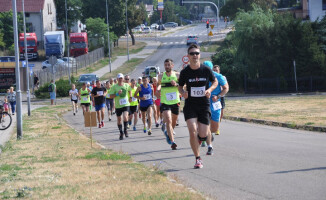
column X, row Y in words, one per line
column 249, row 162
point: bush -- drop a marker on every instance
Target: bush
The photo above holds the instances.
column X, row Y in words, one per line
column 62, row 85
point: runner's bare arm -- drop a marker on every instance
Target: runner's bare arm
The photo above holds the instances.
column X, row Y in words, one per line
column 209, row 90
column 183, row 92
column 137, row 91
column 225, row 89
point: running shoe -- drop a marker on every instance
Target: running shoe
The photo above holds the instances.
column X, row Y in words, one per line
column 203, row 144
column 163, row 127
column 74, row 113
column 128, row 126
column 134, row 128
column 109, row 119
column 157, row 125
column 99, row 126
column 209, row 151
column 126, row 133
column 218, row 132
column 121, row 135
column 168, row 140
column 129, row 122
column 149, row 132
column 174, row 146
column 198, row 164
column 102, row 124
column 77, row 110
column 145, row 130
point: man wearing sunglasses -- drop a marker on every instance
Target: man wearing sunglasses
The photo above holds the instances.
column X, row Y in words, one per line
column 196, row 111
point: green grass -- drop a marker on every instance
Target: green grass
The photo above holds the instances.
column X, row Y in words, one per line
column 126, row 68
column 6, row 167
column 107, row 156
column 210, row 46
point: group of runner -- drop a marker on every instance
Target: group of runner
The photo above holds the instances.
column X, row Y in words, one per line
column 201, row 85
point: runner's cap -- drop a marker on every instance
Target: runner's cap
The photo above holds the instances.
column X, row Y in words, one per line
column 139, row 78
column 120, row 75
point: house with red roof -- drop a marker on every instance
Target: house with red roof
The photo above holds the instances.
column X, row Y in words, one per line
column 40, row 15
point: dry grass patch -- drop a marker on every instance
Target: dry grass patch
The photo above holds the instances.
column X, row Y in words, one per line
column 52, row 161
column 296, row 110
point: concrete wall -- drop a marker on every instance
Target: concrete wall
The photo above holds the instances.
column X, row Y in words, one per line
column 316, row 10
column 35, row 20
column 49, row 16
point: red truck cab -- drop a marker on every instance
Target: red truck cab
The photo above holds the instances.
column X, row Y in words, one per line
column 31, row 40
column 78, row 44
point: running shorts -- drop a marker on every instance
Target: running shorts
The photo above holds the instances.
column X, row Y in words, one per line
column 144, row 109
column 158, row 102
column 76, row 101
column 202, row 113
column 99, row 107
column 52, row 95
column 85, row 104
column 222, row 102
column 132, row 110
column 109, row 103
column 174, row 108
column 119, row 111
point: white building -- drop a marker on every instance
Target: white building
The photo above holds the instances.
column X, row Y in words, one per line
column 40, row 15
column 317, row 9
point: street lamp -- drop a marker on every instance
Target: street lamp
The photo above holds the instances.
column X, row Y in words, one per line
column 127, row 30
column 107, row 19
column 68, row 41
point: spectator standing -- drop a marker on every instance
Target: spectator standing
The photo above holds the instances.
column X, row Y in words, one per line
column 52, row 90
column 12, row 99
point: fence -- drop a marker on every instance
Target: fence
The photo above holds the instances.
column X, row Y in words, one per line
column 287, row 84
column 46, row 75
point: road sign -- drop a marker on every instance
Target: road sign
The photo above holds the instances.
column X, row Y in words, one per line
column 212, row 26
column 184, row 65
column 185, row 59
column 210, row 33
column 31, row 65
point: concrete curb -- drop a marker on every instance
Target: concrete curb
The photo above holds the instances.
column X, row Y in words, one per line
column 278, row 124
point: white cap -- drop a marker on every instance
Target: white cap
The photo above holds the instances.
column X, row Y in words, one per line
column 87, row 83
column 139, row 78
column 120, row 75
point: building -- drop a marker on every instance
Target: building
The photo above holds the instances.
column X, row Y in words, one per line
column 317, row 9
column 40, row 15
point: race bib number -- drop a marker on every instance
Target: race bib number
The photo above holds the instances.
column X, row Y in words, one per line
column 154, row 98
column 197, row 91
column 108, row 96
column 171, row 96
column 85, row 98
column 133, row 99
column 100, row 93
column 123, row 101
column 217, row 105
column 147, row 96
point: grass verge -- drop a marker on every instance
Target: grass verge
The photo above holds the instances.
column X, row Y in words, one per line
column 126, row 68
column 294, row 110
column 58, row 163
column 210, row 46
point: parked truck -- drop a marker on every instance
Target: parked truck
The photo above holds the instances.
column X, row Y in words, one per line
column 31, row 40
column 78, row 44
column 54, row 44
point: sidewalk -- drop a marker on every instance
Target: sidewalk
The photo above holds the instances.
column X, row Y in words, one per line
column 150, row 48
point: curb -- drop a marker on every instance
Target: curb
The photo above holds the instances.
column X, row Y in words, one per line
column 278, row 124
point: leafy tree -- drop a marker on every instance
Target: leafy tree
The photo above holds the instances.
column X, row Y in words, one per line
column 136, row 16
column 6, row 27
column 73, row 12
column 319, row 28
column 2, row 44
column 96, row 28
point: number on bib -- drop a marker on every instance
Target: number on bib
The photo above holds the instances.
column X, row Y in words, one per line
column 147, row 96
column 197, row 91
column 171, row 96
column 123, row 101
column 85, row 98
column 133, row 99
column 100, row 93
column 217, row 105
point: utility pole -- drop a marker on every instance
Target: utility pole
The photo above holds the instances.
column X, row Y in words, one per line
column 68, row 42
column 127, row 30
column 109, row 45
column 27, row 67
column 17, row 71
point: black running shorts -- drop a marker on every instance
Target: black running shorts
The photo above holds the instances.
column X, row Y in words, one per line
column 174, row 108
column 202, row 113
column 119, row 111
column 144, row 109
column 222, row 102
column 132, row 110
column 85, row 104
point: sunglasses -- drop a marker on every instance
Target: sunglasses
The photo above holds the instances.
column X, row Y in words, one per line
column 194, row 53
column 126, row 79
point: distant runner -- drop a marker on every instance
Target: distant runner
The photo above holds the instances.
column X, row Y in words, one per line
column 108, row 100
column 74, row 98
column 133, row 105
column 98, row 94
column 84, row 96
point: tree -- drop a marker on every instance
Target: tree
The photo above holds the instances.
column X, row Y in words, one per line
column 136, row 16
column 73, row 12
column 96, row 28
column 2, row 44
column 6, row 27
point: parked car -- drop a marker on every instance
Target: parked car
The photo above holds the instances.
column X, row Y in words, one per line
column 154, row 26
column 187, row 21
column 137, row 29
column 147, row 29
column 142, row 26
column 192, row 40
column 72, row 61
column 171, row 24
column 84, row 78
column 7, row 58
column 151, row 72
column 46, row 64
column 161, row 27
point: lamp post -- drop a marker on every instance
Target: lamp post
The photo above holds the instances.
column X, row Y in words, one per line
column 68, row 41
column 127, row 30
column 109, row 46
column 17, row 71
column 27, row 67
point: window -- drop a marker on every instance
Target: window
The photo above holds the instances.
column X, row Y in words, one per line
column 324, row 4
column 26, row 14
